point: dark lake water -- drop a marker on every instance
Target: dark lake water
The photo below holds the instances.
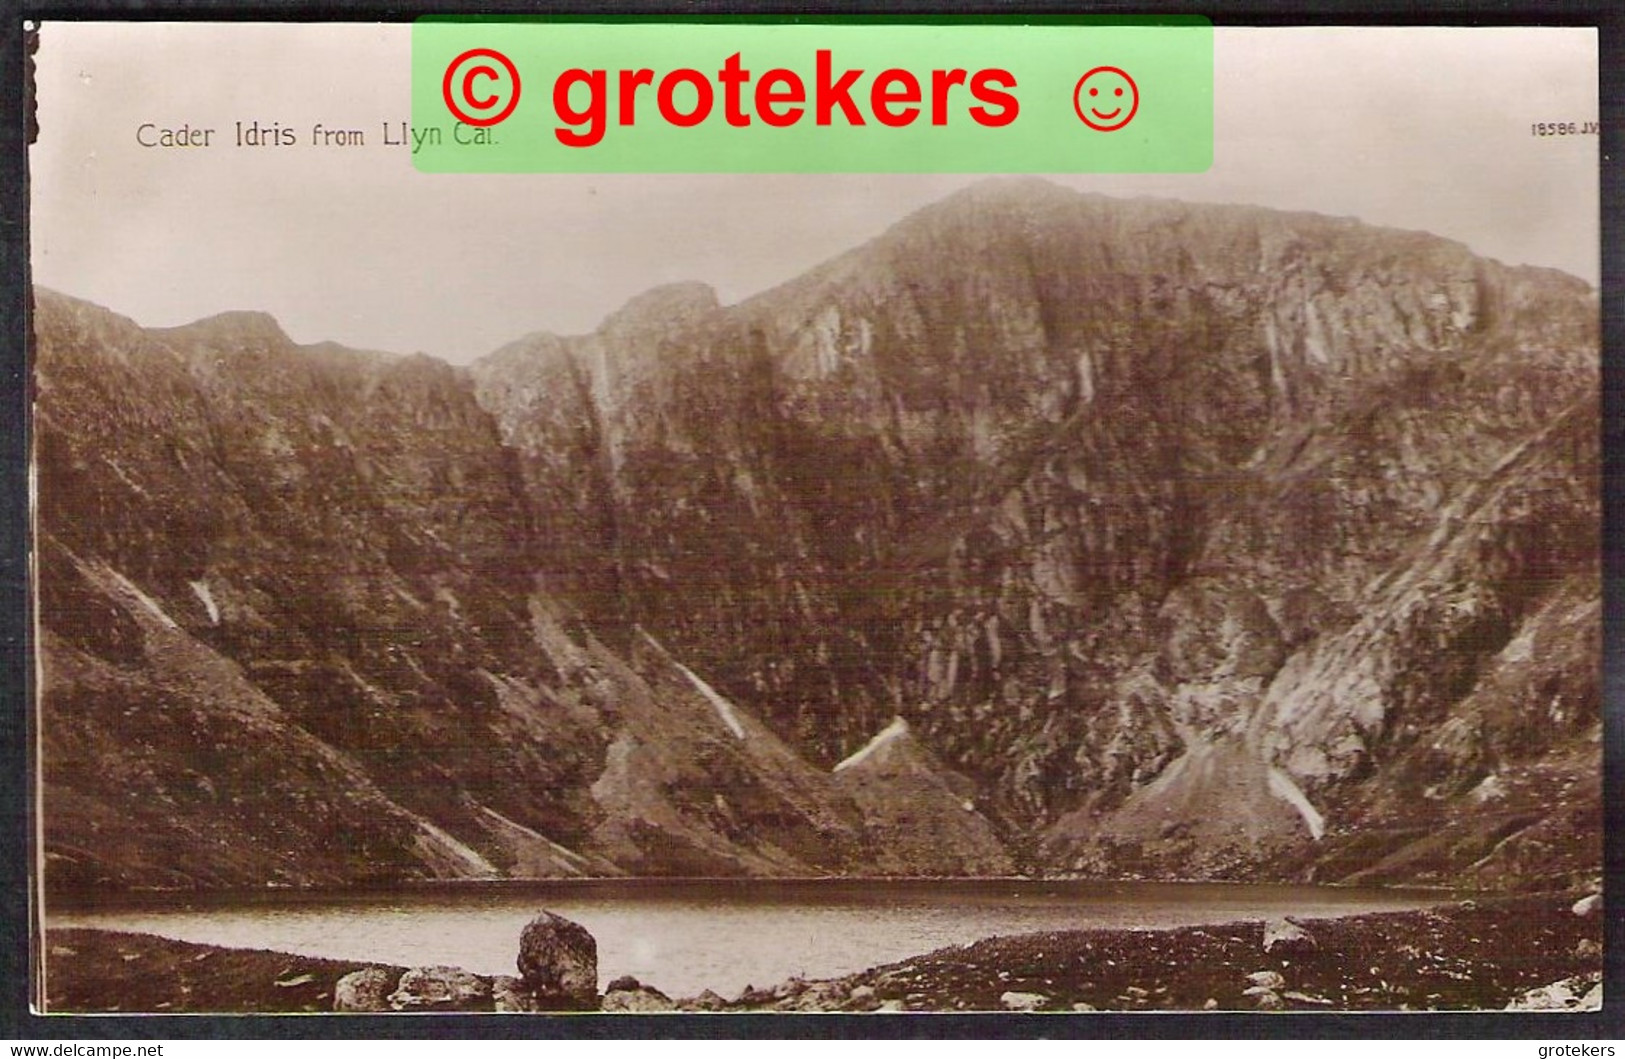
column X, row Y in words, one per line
column 687, row 936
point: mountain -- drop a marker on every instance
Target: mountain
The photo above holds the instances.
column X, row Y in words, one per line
column 1152, row 538
column 917, row 811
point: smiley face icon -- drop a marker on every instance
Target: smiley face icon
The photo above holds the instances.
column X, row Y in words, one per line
column 1106, row 99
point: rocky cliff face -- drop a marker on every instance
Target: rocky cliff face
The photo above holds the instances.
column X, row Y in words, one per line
column 1182, row 540
column 1108, row 499
column 231, row 526
column 291, row 633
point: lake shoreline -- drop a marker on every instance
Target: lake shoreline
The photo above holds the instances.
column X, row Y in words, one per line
column 76, row 901
column 1475, row 954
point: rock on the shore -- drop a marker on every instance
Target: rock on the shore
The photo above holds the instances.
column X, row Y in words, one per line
column 640, row 999
column 1287, row 938
column 558, row 960
column 1581, row 993
column 790, row 987
column 1588, row 906
column 817, row 996
column 1017, row 1001
column 1264, row 996
column 510, row 997
column 1305, row 998
column 750, row 996
column 441, row 989
column 365, row 990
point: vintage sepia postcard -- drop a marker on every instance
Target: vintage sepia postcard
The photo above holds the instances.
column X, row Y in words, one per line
column 729, row 587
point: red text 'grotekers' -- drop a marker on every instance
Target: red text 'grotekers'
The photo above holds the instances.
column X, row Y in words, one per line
column 585, row 99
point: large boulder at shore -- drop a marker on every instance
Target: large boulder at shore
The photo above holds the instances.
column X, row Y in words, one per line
column 558, row 960
column 365, row 990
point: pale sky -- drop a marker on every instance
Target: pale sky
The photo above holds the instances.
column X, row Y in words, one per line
column 1403, row 127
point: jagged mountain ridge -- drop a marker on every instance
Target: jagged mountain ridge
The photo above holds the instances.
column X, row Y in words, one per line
column 1078, row 487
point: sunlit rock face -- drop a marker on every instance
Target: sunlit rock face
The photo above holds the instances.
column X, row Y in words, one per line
column 1184, row 540
column 1082, row 488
